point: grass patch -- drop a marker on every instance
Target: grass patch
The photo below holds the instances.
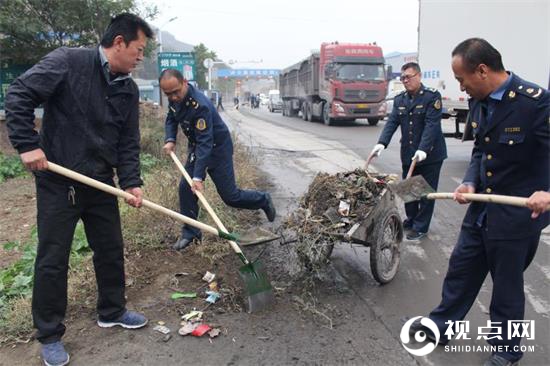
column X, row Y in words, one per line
column 16, row 283
column 10, row 167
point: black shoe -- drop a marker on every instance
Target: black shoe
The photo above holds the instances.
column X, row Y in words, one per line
column 415, row 235
column 496, row 360
column 182, row 243
column 270, row 209
column 417, row 327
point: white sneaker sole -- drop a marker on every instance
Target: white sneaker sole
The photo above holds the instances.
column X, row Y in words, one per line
column 114, row 324
column 60, row 364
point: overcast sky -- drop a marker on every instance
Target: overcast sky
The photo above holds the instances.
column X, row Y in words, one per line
column 282, row 32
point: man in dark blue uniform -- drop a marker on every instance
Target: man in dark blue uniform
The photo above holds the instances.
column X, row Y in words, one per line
column 209, row 149
column 509, row 122
column 418, row 111
column 90, row 125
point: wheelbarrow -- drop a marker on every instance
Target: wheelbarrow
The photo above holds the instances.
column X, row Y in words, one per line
column 382, row 231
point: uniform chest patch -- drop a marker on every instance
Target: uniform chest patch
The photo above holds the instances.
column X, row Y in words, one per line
column 201, row 124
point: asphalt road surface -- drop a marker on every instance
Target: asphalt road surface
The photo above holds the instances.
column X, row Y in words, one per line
column 312, row 147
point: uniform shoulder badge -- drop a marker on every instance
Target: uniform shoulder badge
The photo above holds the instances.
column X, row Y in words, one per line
column 201, row 124
column 437, row 104
column 193, row 102
column 433, row 90
column 532, row 91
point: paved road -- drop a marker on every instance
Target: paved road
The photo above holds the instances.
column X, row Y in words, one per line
column 313, row 147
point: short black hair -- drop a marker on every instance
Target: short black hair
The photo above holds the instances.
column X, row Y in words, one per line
column 166, row 73
column 126, row 25
column 411, row 65
column 477, row 51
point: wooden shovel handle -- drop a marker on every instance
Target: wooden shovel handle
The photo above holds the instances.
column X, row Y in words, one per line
column 122, row 194
column 204, row 202
column 479, row 197
column 411, row 169
column 369, row 159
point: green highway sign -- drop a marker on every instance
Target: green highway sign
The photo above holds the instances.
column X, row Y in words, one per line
column 182, row 61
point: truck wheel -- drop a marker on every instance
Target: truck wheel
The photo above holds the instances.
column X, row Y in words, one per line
column 384, row 250
column 373, row 121
column 309, row 108
column 326, row 119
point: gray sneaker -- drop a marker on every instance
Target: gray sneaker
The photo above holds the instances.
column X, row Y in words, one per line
column 128, row 320
column 54, row 354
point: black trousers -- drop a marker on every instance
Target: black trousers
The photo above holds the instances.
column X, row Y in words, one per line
column 59, row 207
column 223, row 176
column 419, row 213
column 473, row 257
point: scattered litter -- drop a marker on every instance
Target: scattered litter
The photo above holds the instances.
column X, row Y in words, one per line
column 183, row 295
column 167, row 337
column 200, row 330
column 188, row 328
column 263, row 338
column 214, row 333
column 179, row 274
column 162, row 329
column 213, row 296
column 213, row 286
column 208, row 277
column 343, row 208
column 192, row 315
column 160, row 322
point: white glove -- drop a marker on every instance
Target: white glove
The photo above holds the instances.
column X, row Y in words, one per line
column 419, row 155
column 377, row 149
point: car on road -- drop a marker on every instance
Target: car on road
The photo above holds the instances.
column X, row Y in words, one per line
column 275, row 102
column 394, row 87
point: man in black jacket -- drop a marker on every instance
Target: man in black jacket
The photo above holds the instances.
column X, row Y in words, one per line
column 90, row 125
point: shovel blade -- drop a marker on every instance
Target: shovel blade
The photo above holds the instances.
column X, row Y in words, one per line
column 257, row 235
column 259, row 293
column 413, row 189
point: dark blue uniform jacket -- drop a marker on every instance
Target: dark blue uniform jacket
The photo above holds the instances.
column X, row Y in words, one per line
column 209, row 140
column 511, row 157
column 420, row 121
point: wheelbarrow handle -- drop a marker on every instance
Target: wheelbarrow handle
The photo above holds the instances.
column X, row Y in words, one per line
column 204, row 202
column 479, row 197
column 122, row 194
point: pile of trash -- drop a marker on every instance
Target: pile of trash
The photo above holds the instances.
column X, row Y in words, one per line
column 331, row 206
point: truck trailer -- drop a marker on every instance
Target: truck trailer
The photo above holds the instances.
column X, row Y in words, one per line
column 518, row 29
column 341, row 82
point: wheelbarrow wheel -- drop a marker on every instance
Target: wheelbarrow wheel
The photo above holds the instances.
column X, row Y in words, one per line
column 384, row 251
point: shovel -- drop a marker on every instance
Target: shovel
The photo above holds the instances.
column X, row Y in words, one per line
column 477, row 197
column 254, row 276
column 412, row 188
column 120, row 193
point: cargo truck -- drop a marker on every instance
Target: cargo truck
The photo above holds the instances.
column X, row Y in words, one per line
column 341, row 82
column 518, row 29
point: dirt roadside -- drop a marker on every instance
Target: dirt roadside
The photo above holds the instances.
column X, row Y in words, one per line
column 322, row 324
